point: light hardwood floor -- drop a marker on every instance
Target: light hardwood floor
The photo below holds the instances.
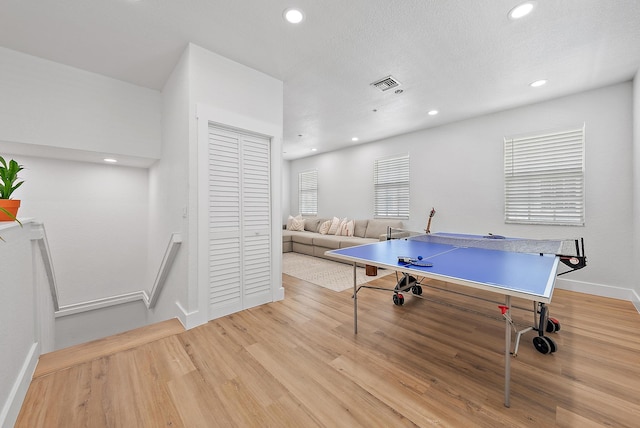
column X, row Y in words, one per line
column 297, row 363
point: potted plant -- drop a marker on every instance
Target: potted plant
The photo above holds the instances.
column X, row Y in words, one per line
column 8, row 184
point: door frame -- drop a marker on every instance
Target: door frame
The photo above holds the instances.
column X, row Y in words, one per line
column 198, row 298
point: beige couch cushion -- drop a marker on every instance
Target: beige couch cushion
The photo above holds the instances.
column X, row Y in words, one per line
column 303, row 237
column 377, row 227
column 327, row 241
column 352, row 242
column 312, row 224
column 360, row 228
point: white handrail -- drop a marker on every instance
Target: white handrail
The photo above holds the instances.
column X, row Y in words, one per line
column 150, row 300
column 40, row 235
column 163, row 272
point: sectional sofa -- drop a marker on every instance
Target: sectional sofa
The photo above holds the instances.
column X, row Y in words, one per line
column 311, row 242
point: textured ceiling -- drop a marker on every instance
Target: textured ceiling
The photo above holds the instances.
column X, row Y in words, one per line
column 464, row 58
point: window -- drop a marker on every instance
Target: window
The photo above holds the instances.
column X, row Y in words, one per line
column 308, row 193
column 544, row 178
column 391, row 184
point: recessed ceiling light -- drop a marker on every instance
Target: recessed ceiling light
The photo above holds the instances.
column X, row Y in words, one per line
column 294, row 16
column 354, row 139
column 110, row 160
column 538, row 83
column 433, row 112
column 314, row 149
column 522, row 10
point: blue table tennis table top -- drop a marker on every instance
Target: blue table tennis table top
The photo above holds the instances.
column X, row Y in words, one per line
column 525, row 275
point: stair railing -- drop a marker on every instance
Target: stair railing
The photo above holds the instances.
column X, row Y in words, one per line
column 150, row 299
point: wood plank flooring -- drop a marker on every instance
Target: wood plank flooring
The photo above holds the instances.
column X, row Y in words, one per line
column 297, row 363
column 73, row 355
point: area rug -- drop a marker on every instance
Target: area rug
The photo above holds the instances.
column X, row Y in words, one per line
column 325, row 273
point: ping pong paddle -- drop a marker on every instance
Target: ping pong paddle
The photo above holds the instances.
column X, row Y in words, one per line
column 410, row 261
column 492, row 236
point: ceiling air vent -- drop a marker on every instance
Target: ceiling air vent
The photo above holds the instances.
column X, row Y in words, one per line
column 386, row 83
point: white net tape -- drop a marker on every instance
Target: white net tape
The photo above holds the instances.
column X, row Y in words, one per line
column 565, row 247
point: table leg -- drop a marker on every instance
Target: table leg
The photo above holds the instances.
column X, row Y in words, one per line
column 507, row 352
column 355, row 301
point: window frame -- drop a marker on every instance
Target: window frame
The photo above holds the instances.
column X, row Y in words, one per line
column 392, row 190
column 308, row 193
column 544, row 178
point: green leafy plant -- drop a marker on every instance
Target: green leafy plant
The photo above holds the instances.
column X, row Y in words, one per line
column 11, row 216
column 8, row 177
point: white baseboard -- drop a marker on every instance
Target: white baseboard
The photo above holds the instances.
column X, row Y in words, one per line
column 601, row 290
column 192, row 319
column 636, row 301
column 11, row 407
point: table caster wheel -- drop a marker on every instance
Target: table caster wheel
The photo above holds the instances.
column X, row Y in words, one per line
column 417, row 290
column 553, row 325
column 398, row 299
column 544, row 345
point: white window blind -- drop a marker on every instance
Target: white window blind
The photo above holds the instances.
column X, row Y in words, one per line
column 391, row 184
column 308, row 193
column 544, row 178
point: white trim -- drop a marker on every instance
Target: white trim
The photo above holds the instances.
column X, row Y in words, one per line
column 39, row 234
column 206, row 114
column 163, row 272
column 104, row 302
column 635, row 299
column 601, row 290
column 190, row 319
column 13, row 404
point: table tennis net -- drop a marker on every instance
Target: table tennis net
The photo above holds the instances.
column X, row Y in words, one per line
column 566, row 247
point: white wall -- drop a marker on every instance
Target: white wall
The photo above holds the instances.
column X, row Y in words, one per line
column 60, row 122
column 636, row 186
column 286, row 191
column 17, row 328
column 238, row 96
column 169, row 195
column 95, row 217
column 26, row 319
column 458, row 169
column 53, row 114
column 49, row 105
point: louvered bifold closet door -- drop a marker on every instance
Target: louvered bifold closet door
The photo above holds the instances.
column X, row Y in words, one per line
column 239, row 221
column 256, row 221
column 225, row 262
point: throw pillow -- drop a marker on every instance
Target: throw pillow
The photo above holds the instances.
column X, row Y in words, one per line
column 350, row 227
column 297, row 224
column 334, row 226
column 342, row 223
column 346, row 228
column 324, row 227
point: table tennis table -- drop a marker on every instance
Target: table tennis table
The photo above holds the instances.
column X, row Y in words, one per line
column 512, row 267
